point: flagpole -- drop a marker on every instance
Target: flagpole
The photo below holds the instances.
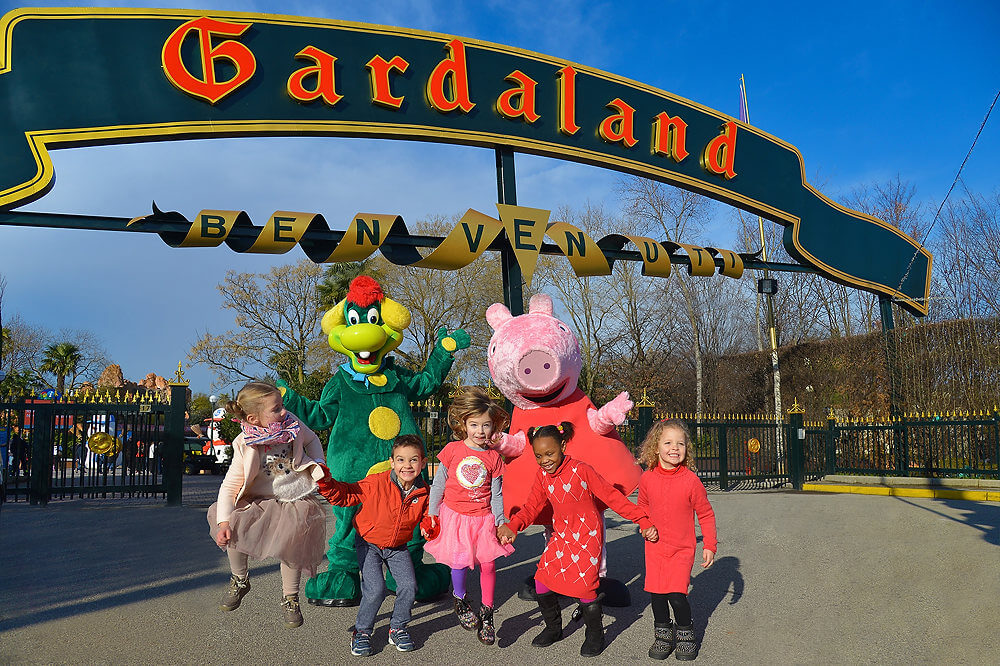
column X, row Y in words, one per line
column 769, row 293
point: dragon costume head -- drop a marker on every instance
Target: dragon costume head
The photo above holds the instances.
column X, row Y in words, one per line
column 366, row 325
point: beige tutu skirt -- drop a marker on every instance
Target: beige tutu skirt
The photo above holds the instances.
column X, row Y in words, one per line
column 293, row 532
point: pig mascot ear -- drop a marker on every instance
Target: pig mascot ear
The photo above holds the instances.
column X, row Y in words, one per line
column 497, row 314
column 540, row 303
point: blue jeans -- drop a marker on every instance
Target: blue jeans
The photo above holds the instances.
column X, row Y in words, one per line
column 373, row 590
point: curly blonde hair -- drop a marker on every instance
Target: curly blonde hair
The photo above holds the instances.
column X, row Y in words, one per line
column 248, row 399
column 650, row 454
column 473, row 402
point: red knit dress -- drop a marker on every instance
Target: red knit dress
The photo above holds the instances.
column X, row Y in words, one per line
column 671, row 498
column 572, row 556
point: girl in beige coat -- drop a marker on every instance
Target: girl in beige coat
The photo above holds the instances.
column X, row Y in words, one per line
column 267, row 504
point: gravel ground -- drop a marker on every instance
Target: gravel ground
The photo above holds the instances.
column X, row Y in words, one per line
column 800, row 579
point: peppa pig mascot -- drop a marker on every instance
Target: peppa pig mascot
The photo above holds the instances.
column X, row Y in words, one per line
column 534, row 360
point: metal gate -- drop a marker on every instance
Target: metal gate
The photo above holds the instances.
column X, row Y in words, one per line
column 99, row 445
column 734, row 452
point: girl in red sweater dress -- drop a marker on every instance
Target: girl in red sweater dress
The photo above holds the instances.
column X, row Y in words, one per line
column 671, row 493
column 572, row 557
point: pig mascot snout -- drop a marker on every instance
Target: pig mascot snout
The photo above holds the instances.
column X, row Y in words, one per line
column 535, row 361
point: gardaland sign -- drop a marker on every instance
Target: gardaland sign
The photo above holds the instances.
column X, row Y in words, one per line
column 73, row 77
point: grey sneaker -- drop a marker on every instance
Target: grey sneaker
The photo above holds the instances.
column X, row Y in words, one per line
column 401, row 639
column 361, row 644
column 238, row 588
column 687, row 644
column 293, row 614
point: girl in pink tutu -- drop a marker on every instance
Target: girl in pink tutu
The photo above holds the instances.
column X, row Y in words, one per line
column 267, row 506
column 466, row 494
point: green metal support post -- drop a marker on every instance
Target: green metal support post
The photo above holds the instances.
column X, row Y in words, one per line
column 899, row 444
column 643, row 424
column 796, row 440
column 723, row 458
column 513, row 295
column 891, row 356
column 831, row 443
column 173, row 445
column 40, row 481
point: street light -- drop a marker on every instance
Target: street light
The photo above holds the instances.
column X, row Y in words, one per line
column 213, row 433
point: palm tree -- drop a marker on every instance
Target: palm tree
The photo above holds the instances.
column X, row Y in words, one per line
column 337, row 280
column 61, row 359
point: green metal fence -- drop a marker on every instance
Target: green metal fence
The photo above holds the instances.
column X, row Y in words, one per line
column 954, row 445
column 101, row 445
column 745, row 452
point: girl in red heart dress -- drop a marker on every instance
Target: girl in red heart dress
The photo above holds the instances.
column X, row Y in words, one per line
column 466, row 495
column 571, row 561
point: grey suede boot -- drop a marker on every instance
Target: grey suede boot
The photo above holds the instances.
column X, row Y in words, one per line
column 687, row 644
column 238, row 588
column 663, row 640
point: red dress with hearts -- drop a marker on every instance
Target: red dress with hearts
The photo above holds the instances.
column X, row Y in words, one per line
column 468, row 527
column 572, row 556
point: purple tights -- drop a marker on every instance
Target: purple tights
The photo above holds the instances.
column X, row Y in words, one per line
column 487, row 582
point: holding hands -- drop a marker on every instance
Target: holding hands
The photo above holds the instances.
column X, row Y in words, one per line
column 650, row 534
column 431, row 530
column 505, row 535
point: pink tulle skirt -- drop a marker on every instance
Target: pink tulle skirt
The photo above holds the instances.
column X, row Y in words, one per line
column 466, row 541
column 293, row 532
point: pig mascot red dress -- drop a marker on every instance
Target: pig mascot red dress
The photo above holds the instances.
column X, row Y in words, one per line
column 535, row 361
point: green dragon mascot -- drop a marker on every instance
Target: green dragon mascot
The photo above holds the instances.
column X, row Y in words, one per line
column 366, row 405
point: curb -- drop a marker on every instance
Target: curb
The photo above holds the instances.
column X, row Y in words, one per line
column 894, row 491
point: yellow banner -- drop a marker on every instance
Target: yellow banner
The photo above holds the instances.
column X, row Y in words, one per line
column 583, row 253
column 282, row 232
column 732, row 263
column 475, row 232
column 655, row 259
column 525, row 229
column 465, row 243
column 702, row 261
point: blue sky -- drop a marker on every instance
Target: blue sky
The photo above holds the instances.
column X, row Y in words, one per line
column 865, row 91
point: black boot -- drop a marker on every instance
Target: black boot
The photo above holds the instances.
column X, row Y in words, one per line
column 663, row 640
column 687, row 643
column 593, row 620
column 552, row 615
column 487, row 632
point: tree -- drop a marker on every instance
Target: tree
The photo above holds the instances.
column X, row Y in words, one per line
column 3, row 331
column 444, row 299
column 277, row 325
column 679, row 216
column 967, row 257
column 61, row 359
column 337, row 280
column 892, row 202
column 588, row 303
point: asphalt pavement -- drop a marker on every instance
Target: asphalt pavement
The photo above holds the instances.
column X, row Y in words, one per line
column 801, row 578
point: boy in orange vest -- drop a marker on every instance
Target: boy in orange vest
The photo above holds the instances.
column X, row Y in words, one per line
column 393, row 503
